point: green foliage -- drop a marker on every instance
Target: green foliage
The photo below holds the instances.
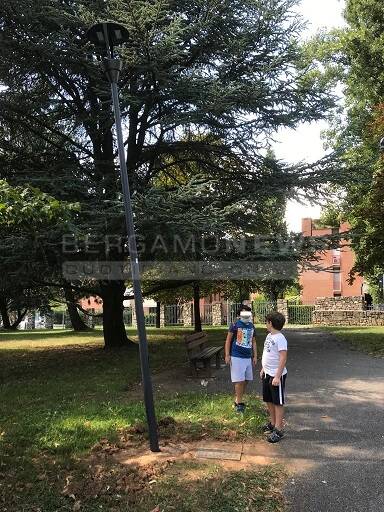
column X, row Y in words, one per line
column 204, row 87
column 331, row 217
column 31, row 223
column 357, row 53
column 292, row 293
column 376, row 288
column 28, row 210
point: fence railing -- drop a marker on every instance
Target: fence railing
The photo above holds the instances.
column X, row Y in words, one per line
column 299, row 314
column 60, row 318
column 232, row 308
column 206, row 314
column 376, row 307
column 174, row 315
column 150, row 317
column 179, row 314
column 261, row 310
column 127, row 316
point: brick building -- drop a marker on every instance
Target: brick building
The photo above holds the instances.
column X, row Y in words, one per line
column 338, row 262
column 93, row 304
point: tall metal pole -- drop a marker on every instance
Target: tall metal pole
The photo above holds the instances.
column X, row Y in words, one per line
column 112, row 68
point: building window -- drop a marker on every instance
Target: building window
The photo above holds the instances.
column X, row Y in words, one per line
column 336, row 283
column 336, row 258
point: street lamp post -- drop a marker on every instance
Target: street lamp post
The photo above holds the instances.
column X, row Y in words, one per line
column 108, row 35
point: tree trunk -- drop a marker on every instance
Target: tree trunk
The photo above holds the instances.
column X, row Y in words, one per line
column 77, row 322
column 4, row 314
column 115, row 337
column 158, row 310
column 196, row 307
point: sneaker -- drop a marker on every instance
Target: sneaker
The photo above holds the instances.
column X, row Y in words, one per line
column 268, row 428
column 240, row 407
column 276, row 436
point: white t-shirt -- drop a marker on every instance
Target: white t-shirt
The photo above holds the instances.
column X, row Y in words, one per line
column 274, row 343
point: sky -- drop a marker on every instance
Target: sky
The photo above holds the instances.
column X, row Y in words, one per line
column 305, row 142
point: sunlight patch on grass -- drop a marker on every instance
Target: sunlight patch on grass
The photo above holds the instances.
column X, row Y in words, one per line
column 61, row 393
column 367, row 339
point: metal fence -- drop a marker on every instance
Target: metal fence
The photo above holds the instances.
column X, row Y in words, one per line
column 150, row 317
column 206, row 314
column 127, row 315
column 60, row 318
column 261, row 310
column 376, row 307
column 300, row 314
column 174, row 315
column 232, row 308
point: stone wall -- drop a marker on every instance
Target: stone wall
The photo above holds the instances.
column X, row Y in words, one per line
column 282, row 307
column 344, row 311
column 162, row 315
column 30, row 320
column 134, row 318
column 340, row 303
column 187, row 315
column 345, row 318
column 217, row 314
column 48, row 320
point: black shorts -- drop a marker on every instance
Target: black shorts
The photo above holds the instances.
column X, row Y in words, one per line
column 274, row 394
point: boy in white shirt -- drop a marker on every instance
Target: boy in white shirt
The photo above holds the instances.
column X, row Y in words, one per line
column 274, row 374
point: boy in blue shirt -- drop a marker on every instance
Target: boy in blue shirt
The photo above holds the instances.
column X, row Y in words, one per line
column 241, row 353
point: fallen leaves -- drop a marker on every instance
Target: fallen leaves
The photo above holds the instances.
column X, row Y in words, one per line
column 105, row 480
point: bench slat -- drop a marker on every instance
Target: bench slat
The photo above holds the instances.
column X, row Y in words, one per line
column 189, row 338
column 199, row 350
column 197, row 342
column 210, row 350
column 207, row 353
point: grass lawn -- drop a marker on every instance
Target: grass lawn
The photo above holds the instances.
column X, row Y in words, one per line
column 367, row 339
column 61, row 393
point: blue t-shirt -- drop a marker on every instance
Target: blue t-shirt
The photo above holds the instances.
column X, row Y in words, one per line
column 242, row 339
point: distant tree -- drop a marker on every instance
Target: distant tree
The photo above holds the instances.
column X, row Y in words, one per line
column 30, row 222
column 354, row 55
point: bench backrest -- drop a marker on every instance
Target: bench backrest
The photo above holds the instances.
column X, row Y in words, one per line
column 195, row 343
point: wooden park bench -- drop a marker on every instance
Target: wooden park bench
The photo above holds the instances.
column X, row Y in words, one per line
column 199, row 351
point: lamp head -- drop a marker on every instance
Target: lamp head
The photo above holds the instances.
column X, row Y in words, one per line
column 382, row 145
column 107, row 34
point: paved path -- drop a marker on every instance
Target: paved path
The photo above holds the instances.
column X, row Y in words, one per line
column 335, row 440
